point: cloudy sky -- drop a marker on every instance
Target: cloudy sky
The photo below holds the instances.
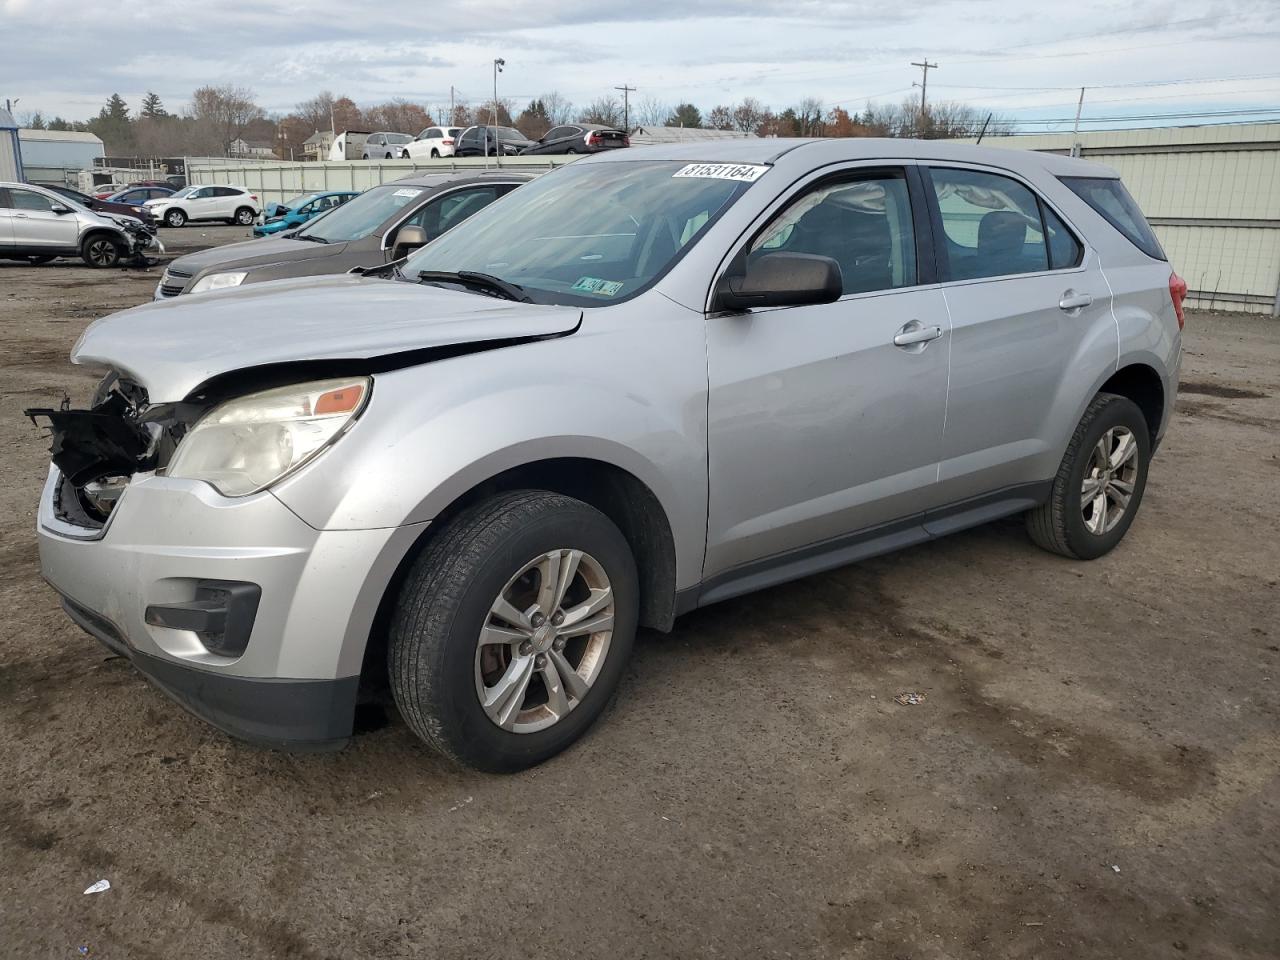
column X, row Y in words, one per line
column 1024, row 59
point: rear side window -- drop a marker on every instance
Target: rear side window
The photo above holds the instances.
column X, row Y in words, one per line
column 1064, row 249
column 1112, row 202
column 991, row 225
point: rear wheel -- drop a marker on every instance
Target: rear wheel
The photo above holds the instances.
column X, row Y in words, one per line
column 1099, row 486
column 101, row 251
column 512, row 629
column 435, row 154
column 245, row 216
column 175, row 218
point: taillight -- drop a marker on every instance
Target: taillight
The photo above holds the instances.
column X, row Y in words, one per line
column 447, row 143
column 626, row 141
column 591, row 139
column 1178, row 293
column 253, row 196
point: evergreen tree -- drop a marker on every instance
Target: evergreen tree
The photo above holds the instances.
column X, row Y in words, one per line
column 115, row 110
column 685, row 115
column 152, row 108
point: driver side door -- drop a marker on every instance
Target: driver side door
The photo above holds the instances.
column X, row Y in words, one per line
column 825, row 420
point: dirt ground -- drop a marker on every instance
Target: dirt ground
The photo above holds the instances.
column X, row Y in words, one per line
column 1095, row 771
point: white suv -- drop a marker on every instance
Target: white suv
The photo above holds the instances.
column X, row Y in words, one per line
column 432, row 143
column 232, row 204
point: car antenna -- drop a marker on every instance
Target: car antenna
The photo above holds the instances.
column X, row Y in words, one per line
column 983, row 131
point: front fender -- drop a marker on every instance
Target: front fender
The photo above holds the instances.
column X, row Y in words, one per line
column 631, row 398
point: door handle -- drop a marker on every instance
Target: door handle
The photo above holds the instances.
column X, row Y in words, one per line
column 21, row 216
column 913, row 333
column 1074, row 301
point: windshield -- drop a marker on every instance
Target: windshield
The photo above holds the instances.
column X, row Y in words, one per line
column 362, row 215
column 588, row 233
column 296, row 202
column 506, row 133
column 398, row 138
column 184, row 192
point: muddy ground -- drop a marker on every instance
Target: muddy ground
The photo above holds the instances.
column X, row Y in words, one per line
column 1095, row 771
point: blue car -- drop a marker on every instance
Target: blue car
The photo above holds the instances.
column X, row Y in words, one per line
column 299, row 210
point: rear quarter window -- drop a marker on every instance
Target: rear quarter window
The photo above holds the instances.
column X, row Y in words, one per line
column 1111, row 201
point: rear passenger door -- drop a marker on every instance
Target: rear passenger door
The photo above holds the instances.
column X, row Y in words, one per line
column 825, row 420
column 1031, row 330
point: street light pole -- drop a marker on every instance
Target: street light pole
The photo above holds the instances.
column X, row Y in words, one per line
column 626, row 106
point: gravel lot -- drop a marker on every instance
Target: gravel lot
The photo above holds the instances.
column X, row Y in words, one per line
column 1095, row 771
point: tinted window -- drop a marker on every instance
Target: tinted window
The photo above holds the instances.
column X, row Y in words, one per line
column 450, row 210
column 863, row 225
column 991, row 225
column 1112, row 202
column 560, row 133
column 429, row 134
column 1064, row 249
column 587, row 233
column 26, row 200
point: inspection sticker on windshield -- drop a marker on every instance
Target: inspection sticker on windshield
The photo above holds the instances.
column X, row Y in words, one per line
column 606, row 288
column 406, row 193
column 742, row 172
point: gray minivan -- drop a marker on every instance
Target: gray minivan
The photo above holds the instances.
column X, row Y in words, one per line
column 363, row 232
column 651, row 380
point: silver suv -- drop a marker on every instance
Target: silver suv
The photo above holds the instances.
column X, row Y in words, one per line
column 39, row 225
column 648, row 381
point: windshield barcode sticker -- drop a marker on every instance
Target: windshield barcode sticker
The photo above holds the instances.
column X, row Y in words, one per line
column 742, row 172
column 406, row 192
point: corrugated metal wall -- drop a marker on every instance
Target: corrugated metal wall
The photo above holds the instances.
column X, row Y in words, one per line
column 1212, row 193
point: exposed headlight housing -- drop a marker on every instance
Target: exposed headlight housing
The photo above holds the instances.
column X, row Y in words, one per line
column 219, row 281
column 247, row 444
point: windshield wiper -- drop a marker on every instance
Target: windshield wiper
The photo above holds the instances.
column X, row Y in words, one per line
column 495, row 286
column 308, row 236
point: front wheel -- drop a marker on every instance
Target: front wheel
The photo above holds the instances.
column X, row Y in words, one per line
column 175, row 218
column 512, row 629
column 101, row 251
column 1099, row 485
column 245, row 216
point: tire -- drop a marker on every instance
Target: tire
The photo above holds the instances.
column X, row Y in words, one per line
column 364, row 156
column 435, row 154
column 1068, row 525
column 245, row 216
column 174, row 218
column 571, row 150
column 404, row 155
column 438, row 666
column 40, row 260
column 101, row 251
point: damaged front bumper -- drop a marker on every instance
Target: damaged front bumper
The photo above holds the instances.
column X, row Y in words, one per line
column 246, row 615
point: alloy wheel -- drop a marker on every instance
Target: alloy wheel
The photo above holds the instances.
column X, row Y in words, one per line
column 544, row 641
column 102, row 253
column 1109, row 480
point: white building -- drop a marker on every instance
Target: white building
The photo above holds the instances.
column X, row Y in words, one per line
column 64, row 149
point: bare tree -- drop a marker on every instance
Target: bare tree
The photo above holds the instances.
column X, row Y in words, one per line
column 651, row 112
column 749, row 114
column 809, row 117
column 226, row 110
column 558, row 109
column 720, row 118
column 604, row 110
column 398, row 116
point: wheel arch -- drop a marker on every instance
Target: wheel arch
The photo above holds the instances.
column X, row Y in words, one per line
column 617, row 493
column 1141, row 383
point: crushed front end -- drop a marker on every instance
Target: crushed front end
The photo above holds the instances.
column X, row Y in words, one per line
column 233, row 606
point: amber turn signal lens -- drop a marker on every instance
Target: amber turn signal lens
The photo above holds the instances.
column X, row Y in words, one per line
column 343, row 400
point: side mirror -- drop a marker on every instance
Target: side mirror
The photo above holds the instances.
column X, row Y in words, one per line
column 782, row 280
column 409, row 238
column 59, row 209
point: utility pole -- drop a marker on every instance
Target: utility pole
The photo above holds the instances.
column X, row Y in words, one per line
column 1075, row 132
column 925, row 67
column 626, row 107
column 449, row 122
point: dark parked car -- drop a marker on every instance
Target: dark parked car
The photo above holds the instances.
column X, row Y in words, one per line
column 364, row 232
column 135, row 210
column 579, row 138
column 491, row 142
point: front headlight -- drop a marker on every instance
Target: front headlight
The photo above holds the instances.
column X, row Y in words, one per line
column 247, row 444
column 219, row 281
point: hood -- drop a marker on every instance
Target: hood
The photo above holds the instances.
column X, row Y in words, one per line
column 254, row 253
column 170, row 347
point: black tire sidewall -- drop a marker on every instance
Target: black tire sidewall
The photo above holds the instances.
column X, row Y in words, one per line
column 175, row 219
column 244, row 223
column 1118, row 412
column 472, row 736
